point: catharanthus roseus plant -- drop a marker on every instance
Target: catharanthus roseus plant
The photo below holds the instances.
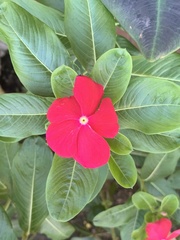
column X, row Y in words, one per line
column 90, row 143
column 79, row 123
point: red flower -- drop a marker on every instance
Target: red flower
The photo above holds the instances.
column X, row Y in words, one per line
column 79, row 124
column 160, row 230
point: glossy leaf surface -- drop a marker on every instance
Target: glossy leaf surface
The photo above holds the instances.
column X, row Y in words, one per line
column 156, row 143
column 169, row 204
column 6, row 230
column 157, row 165
column 69, row 188
column 150, row 106
column 115, row 216
column 90, row 29
column 29, row 118
column 167, row 68
column 123, row 170
column 113, row 71
column 31, row 166
column 120, row 144
column 54, row 19
column 33, row 58
column 62, row 81
column 143, row 200
column 7, row 154
column 153, row 24
column 55, row 229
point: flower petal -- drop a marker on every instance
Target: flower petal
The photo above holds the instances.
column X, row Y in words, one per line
column 174, row 235
column 62, row 137
column 88, row 94
column 105, row 120
column 93, row 150
column 64, row 109
column 159, row 229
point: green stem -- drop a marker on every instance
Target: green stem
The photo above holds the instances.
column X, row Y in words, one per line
column 7, row 204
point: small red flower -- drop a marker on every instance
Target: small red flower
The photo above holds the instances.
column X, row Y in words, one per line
column 79, row 124
column 160, row 230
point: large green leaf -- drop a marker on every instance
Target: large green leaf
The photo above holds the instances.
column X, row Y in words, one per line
column 22, row 115
column 69, row 188
column 115, row 216
column 6, row 230
column 154, row 24
column 167, row 68
column 123, row 170
column 150, row 106
column 34, row 48
column 55, row 229
column 156, row 143
column 53, row 18
column 59, row 5
column 113, row 71
column 90, row 29
column 30, row 169
column 159, row 165
column 159, row 188
column 103, row 174
column 62, row 81
column 7, row 153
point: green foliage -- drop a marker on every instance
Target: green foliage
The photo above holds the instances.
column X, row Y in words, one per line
column 148, row 23
column 123, row 170
column 50, row 43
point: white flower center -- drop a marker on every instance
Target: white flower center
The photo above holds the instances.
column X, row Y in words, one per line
column 83, row 120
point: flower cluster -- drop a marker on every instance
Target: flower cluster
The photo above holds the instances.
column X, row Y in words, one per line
column 160, row 230
column 79, row 124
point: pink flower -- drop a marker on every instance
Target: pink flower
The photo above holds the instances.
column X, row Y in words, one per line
column 79, row 124
column 160, row 230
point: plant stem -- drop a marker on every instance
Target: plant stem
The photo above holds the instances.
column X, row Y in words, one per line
column 7, row 204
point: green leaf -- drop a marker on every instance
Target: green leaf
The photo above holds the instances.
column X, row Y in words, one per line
column 167, row 68
column 31, row 166
column 59, row 5
column 134, row 223
column 169, row 204
column 148, row 24
column 159, row 188
column 19, row 120
column 150, row 106
column 156, row 143
column 62, row 81
column 90, row 29
column 123, row 170
column 9, row 139
column 55, row 229
column 120, row 144
column 174, row 179
column 113, row 71
column 115, row 216
column 7, row 153
column 102, row 177
column 35, row 52
column 69, row 188
column 123, row 42
column 143, row 200
column 157, row 165
column 53, row 18
column 6, row 231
